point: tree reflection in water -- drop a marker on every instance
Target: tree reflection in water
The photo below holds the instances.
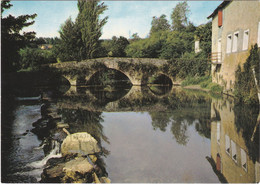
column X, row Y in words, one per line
column 247, row 123
column 184, row 110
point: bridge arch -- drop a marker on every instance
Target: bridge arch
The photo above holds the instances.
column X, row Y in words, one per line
column 160, row 78
column 90, row 79
column 136, row 80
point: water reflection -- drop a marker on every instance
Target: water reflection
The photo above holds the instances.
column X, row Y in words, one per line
column 160, row 90
column 159, row 134
column 234, row 142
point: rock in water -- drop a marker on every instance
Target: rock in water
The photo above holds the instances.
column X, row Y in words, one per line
column 76, row 170
column 79, row 164
column 105, row 180
column 80, row 143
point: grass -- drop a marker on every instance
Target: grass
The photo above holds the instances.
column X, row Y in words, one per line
column 29, row 69
column 203, row 82
column 196, row 80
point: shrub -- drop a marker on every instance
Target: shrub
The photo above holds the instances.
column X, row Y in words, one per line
column 245, row 87
column 33, row 57
column 196, row 80
column 213, row 87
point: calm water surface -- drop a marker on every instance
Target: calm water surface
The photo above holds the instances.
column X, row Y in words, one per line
column 147, row 134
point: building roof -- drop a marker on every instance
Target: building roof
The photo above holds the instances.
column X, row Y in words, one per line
column 221, row 6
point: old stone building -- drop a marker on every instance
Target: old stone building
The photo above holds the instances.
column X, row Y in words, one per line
column 235, row 28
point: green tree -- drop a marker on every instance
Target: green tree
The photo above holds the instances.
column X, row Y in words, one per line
column 180, row 16
column 159, row 24
column 118, row 46
column 148, row 48
column 136, row 49
column 203, row 34
column 33, row 57
column 11, row 38
column 70, row 43
column 90, row 25
column 135, row 37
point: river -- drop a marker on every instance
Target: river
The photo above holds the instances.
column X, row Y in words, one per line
column 147, row 134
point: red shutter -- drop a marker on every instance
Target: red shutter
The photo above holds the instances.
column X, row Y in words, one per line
column 219, row 18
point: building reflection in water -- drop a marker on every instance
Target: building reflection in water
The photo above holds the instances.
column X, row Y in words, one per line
column 234, row 150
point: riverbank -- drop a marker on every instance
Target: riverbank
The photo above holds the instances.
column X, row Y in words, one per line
column 202, row 83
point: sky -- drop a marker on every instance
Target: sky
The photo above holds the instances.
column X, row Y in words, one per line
column 125, row 17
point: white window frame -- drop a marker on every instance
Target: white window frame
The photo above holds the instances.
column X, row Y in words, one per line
column 258, row 41
column 235, row 41
column 229, row 43
column 243, row 159
column 245, row 39
column 234, row 151
column 227, row 140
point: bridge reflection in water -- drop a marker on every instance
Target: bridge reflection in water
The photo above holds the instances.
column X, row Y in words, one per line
column 118, row 100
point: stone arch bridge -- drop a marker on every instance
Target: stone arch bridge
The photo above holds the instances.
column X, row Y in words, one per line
column 138, row 70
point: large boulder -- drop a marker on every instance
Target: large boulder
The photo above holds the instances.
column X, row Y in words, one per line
column 80, row 143
column 77, row 170
column 53, row 174
column 79, row 164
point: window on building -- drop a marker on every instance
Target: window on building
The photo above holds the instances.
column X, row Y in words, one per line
column 258, row 41
column 235, row 39
column 227, row 139
column 218, row 132
column 234, row 151
column 243, row 159
column 229, row 39
column 245, row 40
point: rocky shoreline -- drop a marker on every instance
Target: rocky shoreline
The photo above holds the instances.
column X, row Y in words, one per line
column 68, row 157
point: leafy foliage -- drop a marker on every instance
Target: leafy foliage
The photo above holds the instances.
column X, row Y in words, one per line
column 162, row 44
column 245, row 87
column 188, row 66
column 33, row 57
column 203, row 34
column 11, row 38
